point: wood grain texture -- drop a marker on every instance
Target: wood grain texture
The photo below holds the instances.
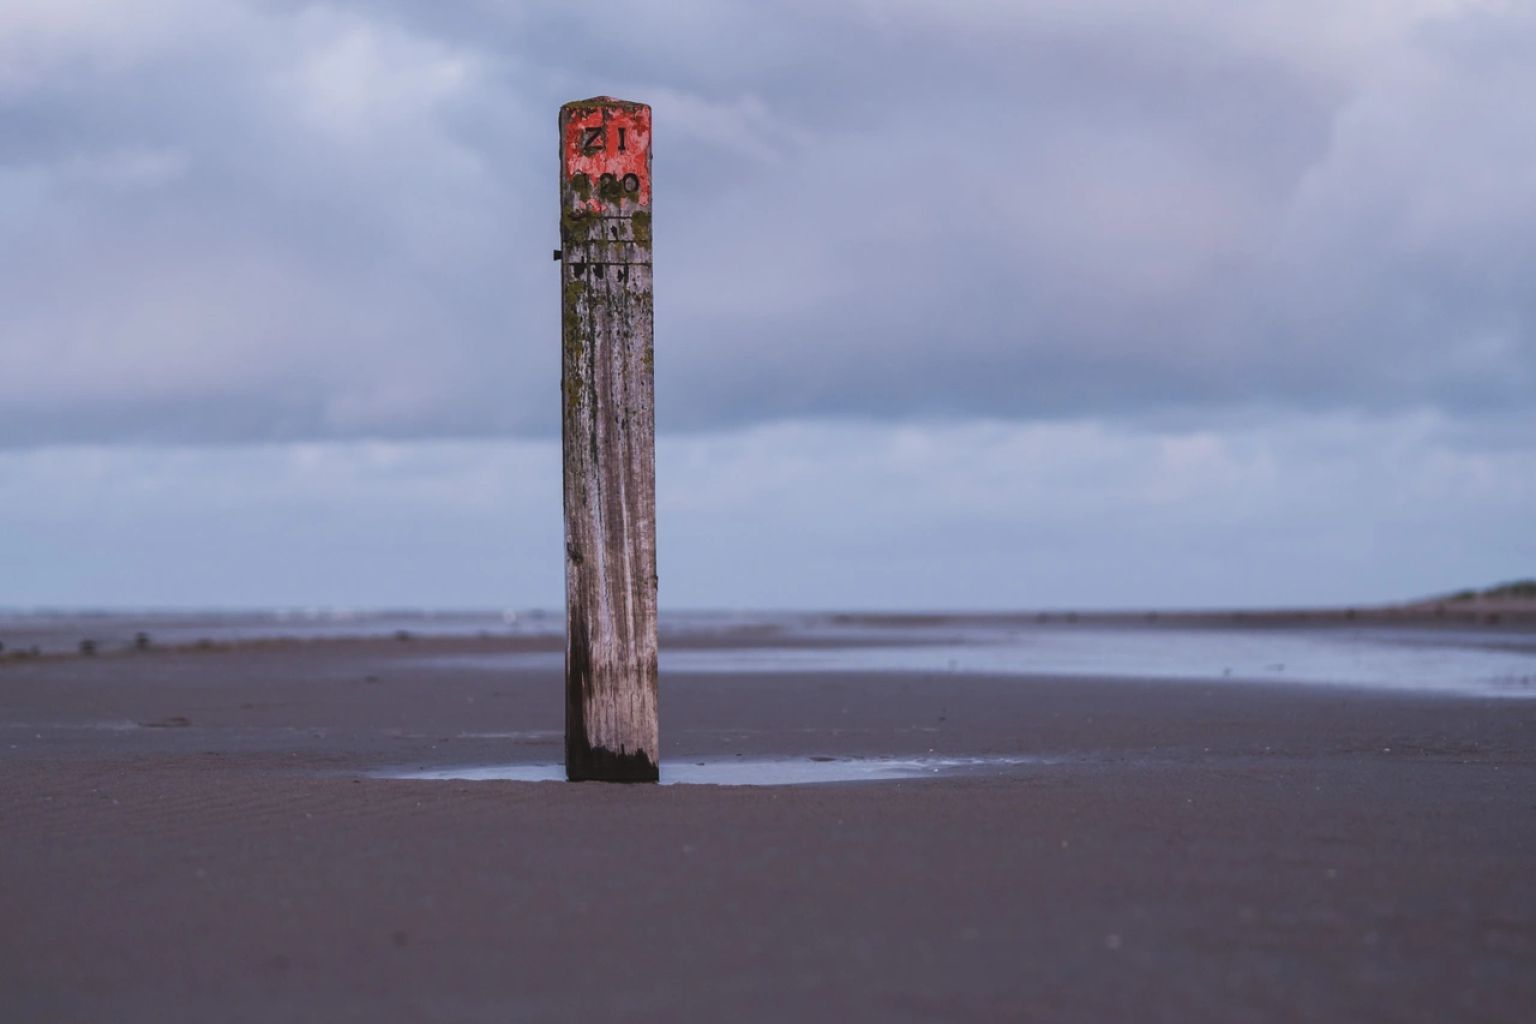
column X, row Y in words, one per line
column 608, row 434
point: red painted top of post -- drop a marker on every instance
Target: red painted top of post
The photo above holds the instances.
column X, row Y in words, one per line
column 609, row 141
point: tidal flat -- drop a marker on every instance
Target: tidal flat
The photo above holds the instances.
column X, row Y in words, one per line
column 1070, row 820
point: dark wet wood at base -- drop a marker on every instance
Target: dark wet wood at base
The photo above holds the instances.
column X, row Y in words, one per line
column 600, row 765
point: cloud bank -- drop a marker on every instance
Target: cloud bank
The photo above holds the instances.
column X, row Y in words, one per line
column 1315, row 509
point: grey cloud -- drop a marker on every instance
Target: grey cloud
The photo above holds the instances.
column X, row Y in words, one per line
column 293, row 221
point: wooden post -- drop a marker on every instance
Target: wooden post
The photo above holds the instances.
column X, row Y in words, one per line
column 608, row 433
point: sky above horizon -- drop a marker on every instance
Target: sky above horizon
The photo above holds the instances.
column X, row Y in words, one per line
column 962, row 305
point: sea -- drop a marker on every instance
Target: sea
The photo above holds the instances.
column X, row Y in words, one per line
column 1227, row 648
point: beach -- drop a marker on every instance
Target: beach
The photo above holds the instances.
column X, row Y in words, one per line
column 249, row 830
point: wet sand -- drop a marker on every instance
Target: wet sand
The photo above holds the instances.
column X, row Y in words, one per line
column 199, row 835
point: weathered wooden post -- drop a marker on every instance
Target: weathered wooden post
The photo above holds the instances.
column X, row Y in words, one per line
column 608, row 431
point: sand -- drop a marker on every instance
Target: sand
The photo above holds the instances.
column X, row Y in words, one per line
column 199, row 836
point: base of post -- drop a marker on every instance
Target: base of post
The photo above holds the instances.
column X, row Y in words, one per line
column 599, row 764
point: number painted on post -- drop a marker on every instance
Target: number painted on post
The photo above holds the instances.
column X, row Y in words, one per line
column 607, row 155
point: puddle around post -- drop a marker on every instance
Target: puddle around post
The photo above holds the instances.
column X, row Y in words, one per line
column 798, row 771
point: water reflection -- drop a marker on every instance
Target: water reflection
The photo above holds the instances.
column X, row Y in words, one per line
column 1423, row 660
column 742, row 771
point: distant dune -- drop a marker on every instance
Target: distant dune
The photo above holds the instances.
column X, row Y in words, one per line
column 1518, row 590
column 1515, row 600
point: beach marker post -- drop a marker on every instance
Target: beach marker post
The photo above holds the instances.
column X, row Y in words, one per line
column 608, row 428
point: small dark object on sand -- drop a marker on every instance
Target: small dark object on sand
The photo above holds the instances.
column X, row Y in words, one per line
column 173, row 722
column 141, row 641
column 403, row 635
column 88, row 647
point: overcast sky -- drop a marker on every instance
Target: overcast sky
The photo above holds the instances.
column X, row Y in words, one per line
column 966, row 304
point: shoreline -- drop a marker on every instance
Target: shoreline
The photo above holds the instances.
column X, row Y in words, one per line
column 55, row 635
